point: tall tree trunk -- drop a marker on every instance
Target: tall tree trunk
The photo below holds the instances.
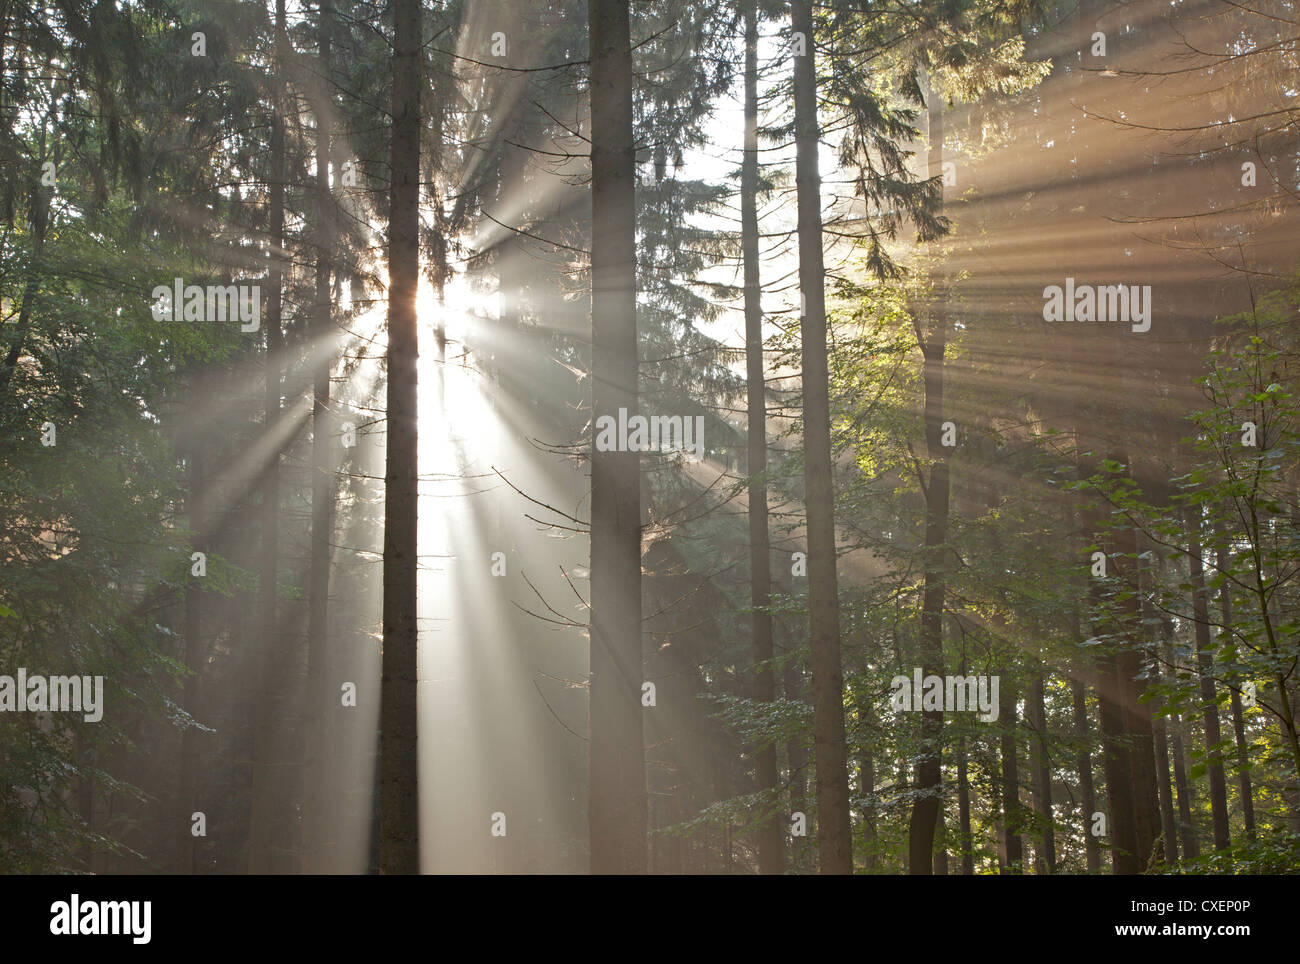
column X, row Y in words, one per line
column 939, row 864
column 928, row 802
column 322, row 701
column 1238, row 720
column 1132, row 662
column 1036, row 710
column 265, row 784
column 1117, row 767
column 1186, row 829
column 797, row 758
column 963, row 808
column 1011, row 818
column 399, row 814
column 1159, row 729
column 1288, row 686
column 1168, row 823
column 966, row 840
column 187, row 797
column 442, row 271
column 1116, row 760
column 616, row 812
column 867, row 787
column 1087, row 793
column 830, row 753
column 1205, row 668
column 771, row 844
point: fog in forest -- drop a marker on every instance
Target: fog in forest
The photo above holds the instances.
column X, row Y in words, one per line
column 555, row 437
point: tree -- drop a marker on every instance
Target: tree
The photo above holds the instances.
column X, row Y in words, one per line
column 264, row 784
column 1210, row 706
column 399, row 813
column 616, row 808
column 323, row 814
column 830, row 754
column 926, row 809
column 770, row 843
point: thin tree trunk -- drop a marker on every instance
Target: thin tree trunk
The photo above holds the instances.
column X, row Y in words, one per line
column 963, row 808
column 617, row 809
column 1205, row 668
column 322, row 700
column 1238, row 720
column 1159, row 729
column 187, row 797
column 830, row 753
column 1011, row 819
column 928, row 802
column 265, row 786
column 1091, row 848
column 1186, row 829
column 1036, row 710
column 1168, row 823
column 867, row 787
column 771, row 849
column 939, row 866
column 399, row 814
column 797, row 757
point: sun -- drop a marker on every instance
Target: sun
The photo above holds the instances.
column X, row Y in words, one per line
column 458, row 311
column 457, row 419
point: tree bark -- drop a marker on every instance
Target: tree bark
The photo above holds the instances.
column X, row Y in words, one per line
column 1045, row 852
column 1238, row 720
column 1116, row 763
column 771, row 849
column 617, row 809
column 867, row 787
column 1010, row 781
column 928, row 802
column 399, row 837
column 1091, row 848
column 1159, row 729
column 322, row 700
column 939, row 862
column 1132, row 660
column 963, row 809
column 187, row 796
column 265, row 786
column 1168, row 823
column 797, row 758
column 830, row 753
column 1186, row 829
column 1205, row 668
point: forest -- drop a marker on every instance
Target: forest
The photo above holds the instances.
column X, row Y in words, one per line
column 649, row 437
